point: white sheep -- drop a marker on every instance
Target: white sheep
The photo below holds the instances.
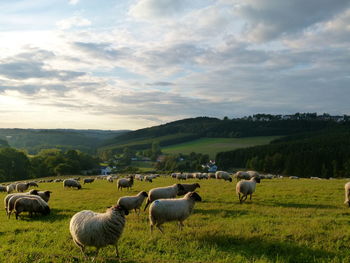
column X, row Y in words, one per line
column 3, row 188
column 223, row 175
column 7, row 197
column 10, row 188
column 14, row 198
column 166, row 210
column 347, row 194
column 98, row 229
column 71, row 183
column 133, row 202
column 246, row 187
column 181, row 176
column 163, row 193
column 43, row 194
column 125, row 182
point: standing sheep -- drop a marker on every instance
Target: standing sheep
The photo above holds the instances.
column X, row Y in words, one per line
column 43, row 194
column 188, row 188
column 3, row 188
column 71, row 183
column 347, row 194
column 89, row 180
column 125, row 183
column 246, row 187
column 223, row 175
column 21, row 187
column 166, row 210
column 7, row 198
column 163, row 192
column 98, row 229
column 10, row 188
column 132, row 202
column 31, row 205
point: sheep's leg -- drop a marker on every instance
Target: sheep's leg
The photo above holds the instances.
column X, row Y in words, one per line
column 245, row 197
column 239, row 197
column 151, row 229
column 97, row 250
column 181, row 225
column 116, row 251
column 148, row 202
column 16, row 216
column 160, row 228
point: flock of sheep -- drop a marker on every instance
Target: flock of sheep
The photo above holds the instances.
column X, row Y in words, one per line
column 98, row 230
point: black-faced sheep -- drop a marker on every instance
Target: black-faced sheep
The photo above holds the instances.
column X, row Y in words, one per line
column 188, row 188
column 166, row 210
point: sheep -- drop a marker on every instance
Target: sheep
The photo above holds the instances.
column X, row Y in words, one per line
column 163, row 192
column 149, row 178
column 223, row 175
column 31, row 205
column 181, row 176
column 57, row 180
column 246, row 187
column 98, row 229
column 125, row 182
column 10, row 188
column 3, row 188
column 139, row 177
column 7, row 198
column 43, row 194
column 109, row 179
column 293, row 177
column 211, row 176
column 242, row 175
column 71, row 183
column 12, row 200
column 166, row 210
column 21, row 187
column 347, row 193
column 89, row 180
column 33, row 184
column 188, row 188
column 133, row 202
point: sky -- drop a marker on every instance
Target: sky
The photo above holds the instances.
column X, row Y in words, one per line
column 130, row 64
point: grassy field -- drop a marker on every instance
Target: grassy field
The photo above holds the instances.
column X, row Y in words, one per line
column 212, row 146
column 287, row 221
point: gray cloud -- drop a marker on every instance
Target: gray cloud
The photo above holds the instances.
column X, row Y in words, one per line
column 267, row 20
column 160, row 83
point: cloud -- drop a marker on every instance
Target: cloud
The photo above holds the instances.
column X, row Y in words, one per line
column 75, row 21
column 160, row 83
column 271, row 19
column 73, row 2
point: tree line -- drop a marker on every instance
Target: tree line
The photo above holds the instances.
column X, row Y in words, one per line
column 17, row 165
column 324, row 154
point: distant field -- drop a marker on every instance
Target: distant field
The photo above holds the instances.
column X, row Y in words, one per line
column 212, row 146
column 287, row 221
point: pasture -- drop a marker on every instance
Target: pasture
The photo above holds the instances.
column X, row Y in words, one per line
column 212, row 146
column 287, row 221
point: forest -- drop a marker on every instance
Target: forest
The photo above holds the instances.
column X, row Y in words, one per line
column 322, row 154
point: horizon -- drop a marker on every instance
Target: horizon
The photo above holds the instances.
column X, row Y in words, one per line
column 133, row 64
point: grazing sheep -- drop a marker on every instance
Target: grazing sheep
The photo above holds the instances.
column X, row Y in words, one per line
column 31, row 205
column 89, row 180
column 188, row 188
column 133, row 202
column 125, row 182
column 12, row 201
column 181, row 176
column 3, row 188
column 10, row 188
column 166, row 210
column 43, row 194
column 33, row 184
column 57, row 180
column 21, row 187
column 163, row 193
column 139, row 177
column 347, row 194
column 109, row 179
column 71, row 183
column 7, row 198
column 246, row 187
column 98, row 229
column 149, row 178
column 293, row 177
column 211, row 176
column 242, row 175
column 223, row 175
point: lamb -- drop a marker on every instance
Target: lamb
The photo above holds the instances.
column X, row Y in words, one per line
column 71, row 183
column 163, row 192
column 246, row 187
column 133, row 202
column 31, row 205
column 223, row 175
column 125, row 182
column 347, row 194
column 14, row 198
column 89, row 180
column 21, row 187
column 98, row 229
column 166, row 210
column 188, row 188
column 43, row 194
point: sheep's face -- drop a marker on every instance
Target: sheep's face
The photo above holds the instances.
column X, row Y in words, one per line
column 257, row 179
column 34, row 192
column 144, row 194
column 197, row 185
column 121, row 209
column 196, row 197
column 230, row 179
column 79, row 186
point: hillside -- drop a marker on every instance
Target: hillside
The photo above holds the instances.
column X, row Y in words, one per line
column 33, row 140
column 204, row 127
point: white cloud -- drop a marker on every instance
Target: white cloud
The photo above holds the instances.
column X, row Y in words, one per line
column 75, row 21
column 73, row 2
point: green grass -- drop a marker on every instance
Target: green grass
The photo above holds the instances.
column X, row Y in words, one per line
column 287, row 221
column 212, row 146
column 143, row 166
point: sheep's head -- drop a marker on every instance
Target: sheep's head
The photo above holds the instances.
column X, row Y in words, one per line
column 79, row 186
column 257, row 179
column 230, row 179
column 121, row 209
column 33, row 192
column 196, row 197
column 144, row 194
column 48, row 193
column 180, row 187
column 197, row 185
